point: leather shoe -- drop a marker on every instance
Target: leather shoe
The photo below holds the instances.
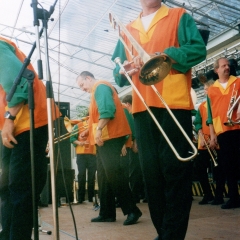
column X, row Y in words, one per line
column 206, row 200
column 133, row 217
column 217, row 201
column 231, row 204
column 103, row 219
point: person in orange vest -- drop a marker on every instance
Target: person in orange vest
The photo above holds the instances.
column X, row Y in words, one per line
column 169, row 33
column 108, row 130
column 203, row 163
column 135, row 171
column 221, row 96
column 86, row 161
column 16, row 178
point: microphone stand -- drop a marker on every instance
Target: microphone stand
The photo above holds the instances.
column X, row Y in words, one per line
column 29, row 75
column 45, row 16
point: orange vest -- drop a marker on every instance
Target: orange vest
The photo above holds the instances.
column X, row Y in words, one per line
column 86, row 148
column 205, row 129
column 21, row 122
column 220, row 100
column 175, row 88
column 116, row 127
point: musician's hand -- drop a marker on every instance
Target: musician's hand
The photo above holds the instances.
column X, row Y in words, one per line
column 124, row 151
column 98, row 138
column 83, row 135
column 80, row 143
column 202, row 144
column 238, row 116
column 8, row 139
column 213, row 142
column 129, row 68
column 134, row 146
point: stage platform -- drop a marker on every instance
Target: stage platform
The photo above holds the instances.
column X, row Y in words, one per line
column 207, row 222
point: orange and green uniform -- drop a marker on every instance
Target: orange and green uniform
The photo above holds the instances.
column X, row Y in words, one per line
column 172, row 31
column 200, row 122
column 9, row 69
column 218, row 104
column 16, row 177
column 87, row 148
column 86, row 161
column 114, row 111
column 105, row 104
column 185, row 46
column 228, row 137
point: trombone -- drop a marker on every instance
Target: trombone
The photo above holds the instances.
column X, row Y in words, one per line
column 154, row 70
column 69, row 134
column 212, row 152
column 234, row 100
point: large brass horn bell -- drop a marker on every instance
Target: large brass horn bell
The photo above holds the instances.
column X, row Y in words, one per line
column 155, row 70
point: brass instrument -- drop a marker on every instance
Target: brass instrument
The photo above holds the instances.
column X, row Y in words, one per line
column 75, row 188
column 212, row 152
column 154, row 73
column 155, row 68
column 69, row 125
column 234, row 100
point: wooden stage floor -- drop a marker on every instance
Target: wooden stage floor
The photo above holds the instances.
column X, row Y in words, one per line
column 207, row 222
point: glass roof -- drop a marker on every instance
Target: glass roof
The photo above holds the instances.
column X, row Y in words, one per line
column 81, row 38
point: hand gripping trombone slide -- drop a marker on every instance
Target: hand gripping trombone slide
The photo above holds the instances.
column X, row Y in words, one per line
column 211, row 151
column 153, row 75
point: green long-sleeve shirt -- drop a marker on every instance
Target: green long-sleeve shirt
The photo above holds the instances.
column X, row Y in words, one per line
column 74, row 137
column 10, row 66
column 104, row 99
column 189, row 53
column 198, row 121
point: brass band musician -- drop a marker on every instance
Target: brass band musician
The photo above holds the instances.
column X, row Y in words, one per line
column 202, row 163
column 223, row 130
column 166, row 32
column 86, row 161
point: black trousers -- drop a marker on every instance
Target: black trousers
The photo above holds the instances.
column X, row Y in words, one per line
column 168, row 180
column 111, row 180
column 136, row 176
column 86, row 162
column 16, row 184
column 202, row 165
column 229, row 143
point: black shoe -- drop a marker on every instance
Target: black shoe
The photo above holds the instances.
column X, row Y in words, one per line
column 103, row 219
column 133, row 217
column 206, row 200
column 145, row 200
column 217, row 201
column 231, row 204
column 117, row 205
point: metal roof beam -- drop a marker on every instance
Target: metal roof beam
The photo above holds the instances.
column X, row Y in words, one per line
column 53, row 39
column 202, row 14
column 226, row 5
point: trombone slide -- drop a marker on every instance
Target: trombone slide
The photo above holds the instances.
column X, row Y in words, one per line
column 118, row 61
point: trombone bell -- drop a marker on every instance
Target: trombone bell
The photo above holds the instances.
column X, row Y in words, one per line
column 155, row 70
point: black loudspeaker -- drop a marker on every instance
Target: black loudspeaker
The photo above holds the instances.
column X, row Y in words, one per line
column 64, row 108
column 69, row 175
column 62, row 147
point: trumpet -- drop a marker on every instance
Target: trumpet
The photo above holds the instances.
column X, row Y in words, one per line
column 154, row 70
column 212, row 152
column 234, row 100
